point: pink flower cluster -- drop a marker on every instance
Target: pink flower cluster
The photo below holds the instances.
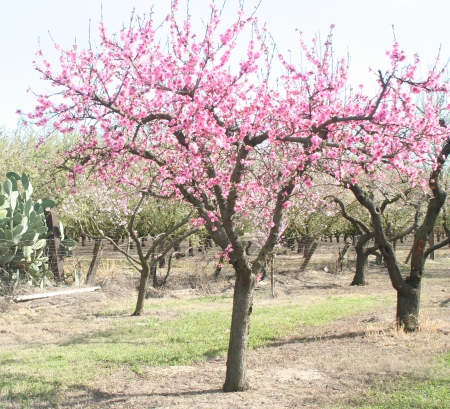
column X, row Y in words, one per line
column 220, row 134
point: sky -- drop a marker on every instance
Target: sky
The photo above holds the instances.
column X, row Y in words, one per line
column 363, row 30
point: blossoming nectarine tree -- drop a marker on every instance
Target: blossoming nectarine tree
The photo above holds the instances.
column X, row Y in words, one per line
column 224, row 136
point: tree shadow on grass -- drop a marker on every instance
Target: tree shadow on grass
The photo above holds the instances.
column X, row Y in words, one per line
column 212, row 354
column 105, row 336
column 307, row 340
column 445, row 303
column 38, row 393
column 27, row 391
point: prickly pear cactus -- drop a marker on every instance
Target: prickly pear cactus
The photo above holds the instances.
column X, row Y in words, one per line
column 23, row 231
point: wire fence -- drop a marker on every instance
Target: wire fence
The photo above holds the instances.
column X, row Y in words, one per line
column 294, row 255
column 193, row 264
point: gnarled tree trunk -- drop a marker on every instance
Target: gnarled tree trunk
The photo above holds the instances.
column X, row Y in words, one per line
column 408, row 304
column 361, row 266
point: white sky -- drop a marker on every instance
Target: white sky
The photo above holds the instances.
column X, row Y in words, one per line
column 363, row 29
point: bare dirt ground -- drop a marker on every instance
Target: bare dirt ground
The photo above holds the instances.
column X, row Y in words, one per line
column 324, row 367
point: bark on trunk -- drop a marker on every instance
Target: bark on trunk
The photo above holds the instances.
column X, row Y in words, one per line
column 139, row 310
column 236, row 379
column 361, row 266
column 408, row 304
column 431, row 244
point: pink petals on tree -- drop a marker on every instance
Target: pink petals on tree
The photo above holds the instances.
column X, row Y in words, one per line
column 216, row 124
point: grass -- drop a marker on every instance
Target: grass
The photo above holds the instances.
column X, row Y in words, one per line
column 412, row 392
column 41, row 373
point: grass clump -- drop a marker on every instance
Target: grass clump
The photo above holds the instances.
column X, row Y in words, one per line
column 412, row 392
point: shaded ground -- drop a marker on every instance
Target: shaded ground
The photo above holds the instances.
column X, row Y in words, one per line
column 323, row 367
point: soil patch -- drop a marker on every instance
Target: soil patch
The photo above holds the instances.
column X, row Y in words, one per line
column 323, row 366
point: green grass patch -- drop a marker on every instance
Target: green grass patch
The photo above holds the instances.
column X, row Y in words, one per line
column 412, row 394
column 214, row 298
column 444, row 359
column 271, row 323
column 136, row 342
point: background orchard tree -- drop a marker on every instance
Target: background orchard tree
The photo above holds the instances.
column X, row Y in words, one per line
column 306, row 228
column 389, row 133
column 224, row 140
column 19, row 153
column 442, row 226
column 396, row 227
column 107, row 212
column 409, row 288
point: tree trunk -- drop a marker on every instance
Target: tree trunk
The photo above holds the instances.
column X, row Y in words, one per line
column 431, row 243
column 308, row 255
column 153, row 272
column 308, row 242
column 291, row 243
column 97, row 255
column 379, row 261
column 219, row 266
column 162, row 260
column 191, row 249
column 139, row 310
column 361, row 266
column 272, row 276
column 409, row 256
column 264, row 271
column 408, row 304
column 341, row 257
column 235, row 379
column 169, row 266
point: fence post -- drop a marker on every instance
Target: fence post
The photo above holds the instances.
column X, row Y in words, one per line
column 55, row 260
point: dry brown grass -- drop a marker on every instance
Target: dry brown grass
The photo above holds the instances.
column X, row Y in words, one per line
column 427, row 325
